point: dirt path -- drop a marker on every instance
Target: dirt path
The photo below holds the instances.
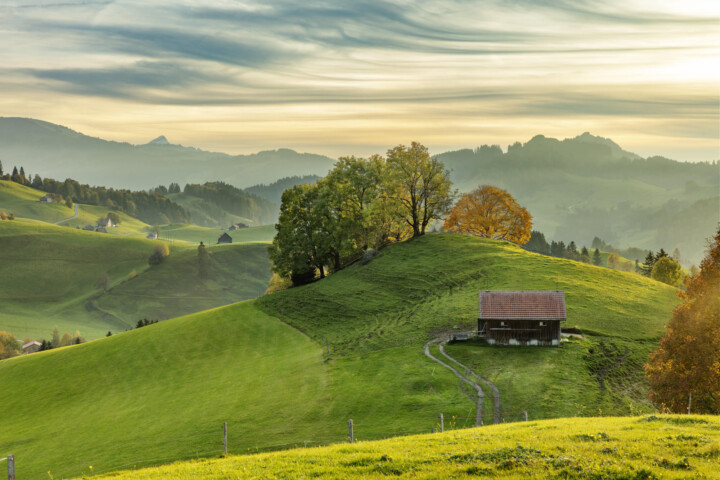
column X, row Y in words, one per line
column 466, row 377
column 68, row 219
column 490, row 385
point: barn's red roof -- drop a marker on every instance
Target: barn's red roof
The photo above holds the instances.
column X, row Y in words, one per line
column 509, row 305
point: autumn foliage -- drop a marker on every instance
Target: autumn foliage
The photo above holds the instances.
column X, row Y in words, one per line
column 688, row 360
column 490, row 212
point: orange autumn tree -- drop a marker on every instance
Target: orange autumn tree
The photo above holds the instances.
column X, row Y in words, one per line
column 688, row 360
column 490, row 212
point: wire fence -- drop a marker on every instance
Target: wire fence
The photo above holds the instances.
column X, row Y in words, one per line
column 214, row 444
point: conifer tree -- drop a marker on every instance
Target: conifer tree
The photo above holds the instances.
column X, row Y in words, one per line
column 597, row 259
column 1, row 169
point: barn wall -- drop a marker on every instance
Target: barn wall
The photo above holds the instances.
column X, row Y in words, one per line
column 523, row 332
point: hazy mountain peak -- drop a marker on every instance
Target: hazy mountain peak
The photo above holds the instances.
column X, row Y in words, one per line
column 161, row 140
column 615, row 149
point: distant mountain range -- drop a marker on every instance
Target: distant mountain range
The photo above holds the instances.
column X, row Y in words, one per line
column 58, row 152
column 576, row 188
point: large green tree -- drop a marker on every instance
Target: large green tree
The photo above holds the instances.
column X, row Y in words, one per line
column 420, row 184
column 302, row 244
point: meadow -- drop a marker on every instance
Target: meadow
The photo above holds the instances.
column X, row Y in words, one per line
column 358, row 337
column 51, row 278
column 631, row 448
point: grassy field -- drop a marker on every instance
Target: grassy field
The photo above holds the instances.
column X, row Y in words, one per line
column 631, row 448
column 162, row 392
column 236, row 272
column 25, row 202
column 195, row 234
column 430, row 284
column 46, row 270
column 49, row 279
column 365, row 327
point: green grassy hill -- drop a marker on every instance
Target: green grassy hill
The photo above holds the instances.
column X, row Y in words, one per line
column 373, row 319
column 635, row 448
column 49, row 279
column 195, row 234
column 25, row 202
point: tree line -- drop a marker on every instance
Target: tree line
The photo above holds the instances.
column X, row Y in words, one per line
column 234, row 201
column 151, row 208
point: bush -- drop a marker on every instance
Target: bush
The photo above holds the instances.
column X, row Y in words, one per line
column 160, row 252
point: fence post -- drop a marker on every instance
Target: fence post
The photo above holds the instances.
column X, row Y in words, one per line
column 442, row 423
column 11, row 467
column 225, row 438
column 525, row 415
column 350, row 431
column 432, row 430
column 689, row 402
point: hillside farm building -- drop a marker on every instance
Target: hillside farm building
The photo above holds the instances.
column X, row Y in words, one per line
column 31, row 347
column 521, row 318
column 224, row 238
column 47, row 199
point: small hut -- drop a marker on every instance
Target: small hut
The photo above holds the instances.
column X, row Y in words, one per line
column 47, row 199
column 224, row 238
column 31, row 347
column 521, row 317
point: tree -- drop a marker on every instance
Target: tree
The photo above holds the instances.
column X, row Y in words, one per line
column 9, row 346
column 687, row 361
column 613, row 261
column 203, row 261
column 676, row 255
column 69, row 202
column 420, row 184
column 597, row 243
column 102, row 282
column 537, row 243
column 37, row 182
column 490, row 212
column 66, row 340
column 667, row 270
column 597, row 258
column 1, row 169
column 56, row 337
column 160, row 253
column 301, row 245
column 648, row 264
column 109, row 334
column 114, row 218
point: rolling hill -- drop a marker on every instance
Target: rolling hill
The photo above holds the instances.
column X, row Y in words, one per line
column 358, row 337
column 58, row 152
column 48, row 277
column 635, row 448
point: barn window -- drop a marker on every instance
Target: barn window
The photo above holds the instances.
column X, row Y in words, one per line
column 502, row 324
column 542, row 324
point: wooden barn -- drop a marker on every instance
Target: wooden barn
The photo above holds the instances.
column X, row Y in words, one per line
column 521, row 318
column 224, row 238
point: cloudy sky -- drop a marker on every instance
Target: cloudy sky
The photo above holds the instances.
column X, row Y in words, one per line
column 355, row 77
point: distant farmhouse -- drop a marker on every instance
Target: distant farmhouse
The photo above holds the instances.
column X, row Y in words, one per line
column 237, row 226
column 152, row 236
column 47, row 199
column 224, row 238
column 89, row 227
column 31, row 347
column 521, row 318
column 106, row 222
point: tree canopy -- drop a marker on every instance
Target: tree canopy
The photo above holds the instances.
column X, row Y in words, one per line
column 490, row 212
column 667, row 270
column 362, row 204
column 688, row 360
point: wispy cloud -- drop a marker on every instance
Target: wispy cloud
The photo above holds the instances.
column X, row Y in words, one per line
column 455, row 59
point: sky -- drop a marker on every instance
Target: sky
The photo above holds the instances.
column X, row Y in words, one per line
column 342, row 77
